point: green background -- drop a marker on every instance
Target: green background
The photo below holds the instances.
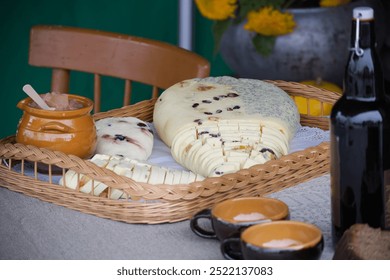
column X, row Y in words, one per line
column 154, row 19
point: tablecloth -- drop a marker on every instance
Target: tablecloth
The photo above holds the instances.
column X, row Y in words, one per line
column 33, row 229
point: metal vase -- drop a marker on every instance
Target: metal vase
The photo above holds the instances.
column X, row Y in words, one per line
column 318, row 47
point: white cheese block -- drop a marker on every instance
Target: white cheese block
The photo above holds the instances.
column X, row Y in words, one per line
column 124, row 136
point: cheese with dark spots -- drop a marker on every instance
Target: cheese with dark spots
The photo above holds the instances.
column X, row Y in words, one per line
column 126, row 136
column 218, row 125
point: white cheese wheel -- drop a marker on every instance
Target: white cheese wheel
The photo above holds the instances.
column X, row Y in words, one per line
column 124, row 136
column 202, row 120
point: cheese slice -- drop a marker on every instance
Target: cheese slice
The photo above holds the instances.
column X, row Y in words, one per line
column 138, row 171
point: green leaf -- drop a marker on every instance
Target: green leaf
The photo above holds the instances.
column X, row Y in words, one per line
column 219, row 27
column 263, row 44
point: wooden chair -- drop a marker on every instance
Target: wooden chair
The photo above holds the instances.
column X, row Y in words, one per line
column 150, row 62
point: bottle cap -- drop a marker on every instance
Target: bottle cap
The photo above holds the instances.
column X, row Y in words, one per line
column 363, row 13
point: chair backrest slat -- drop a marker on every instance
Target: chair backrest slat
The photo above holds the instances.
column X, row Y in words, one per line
column 97, row 92
column 155, row 92
column 60, row 80
column 127, row 94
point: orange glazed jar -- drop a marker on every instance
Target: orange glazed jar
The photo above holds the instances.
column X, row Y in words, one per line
column 69, row 131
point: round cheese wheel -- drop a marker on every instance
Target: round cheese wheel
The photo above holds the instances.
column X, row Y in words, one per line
column 124, row 136
column 218, row 125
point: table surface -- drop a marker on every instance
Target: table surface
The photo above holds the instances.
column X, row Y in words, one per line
column 33, row 229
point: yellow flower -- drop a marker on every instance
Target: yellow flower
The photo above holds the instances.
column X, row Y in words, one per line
column 333, row 3
column 270, row 22
column 217, row 9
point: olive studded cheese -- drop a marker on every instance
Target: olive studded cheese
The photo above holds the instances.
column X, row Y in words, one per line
column 124, row 136
column 219, row 125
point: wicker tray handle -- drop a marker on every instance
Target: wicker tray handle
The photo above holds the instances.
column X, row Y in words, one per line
column 30, row 153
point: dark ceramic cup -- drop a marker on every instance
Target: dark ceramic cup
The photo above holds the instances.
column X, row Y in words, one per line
column 231, row 216
column 280, row 240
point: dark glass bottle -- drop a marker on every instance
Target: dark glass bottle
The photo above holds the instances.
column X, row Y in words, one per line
column 360, row 136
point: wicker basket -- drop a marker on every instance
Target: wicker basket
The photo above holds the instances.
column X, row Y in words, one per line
column 163, row 203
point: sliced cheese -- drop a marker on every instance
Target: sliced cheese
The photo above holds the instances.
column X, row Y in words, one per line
column 138, row 171
column 225, row 114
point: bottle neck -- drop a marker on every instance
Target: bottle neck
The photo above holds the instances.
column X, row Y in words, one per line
column 366, row 35
column 363, row 76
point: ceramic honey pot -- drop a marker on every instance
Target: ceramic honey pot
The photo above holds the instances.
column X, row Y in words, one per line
column 69, row 131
